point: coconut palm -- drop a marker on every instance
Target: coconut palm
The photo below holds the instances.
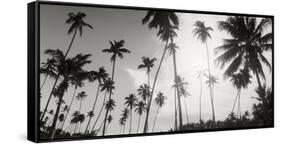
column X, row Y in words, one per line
column 80, row 97
column 101, row 76
column 140, row 109
column 124, row 117
column 202, row 32
column 147, row 64
column 48, row 69
column 165, row 34
column 81, row 119
column 109, row 106
column 143, row 92
column 160, row 101
column 75, row 120
column 239, row 81
column 130, row 101
column 249, row 40
column 61, row 118
column 109, row 120
column 117, row 50
column 77, row 23
column 107, row 86
column 122, row 123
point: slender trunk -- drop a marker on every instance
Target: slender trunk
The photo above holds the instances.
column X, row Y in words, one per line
column 57, row 77
column 200, row 101
column 153, row 87
column 138, row 123
column 131, row 117
column 186, row 112
column 67, row 112
column 155, row 118
column 110, row 93
column 104, row 98
column 238, row 93
column 211, row 93
column 53, row 127
column 80, row 106
column 239, row 108
column 43, row 82
column 178, row 92
column 176, row 115
column 93, row 108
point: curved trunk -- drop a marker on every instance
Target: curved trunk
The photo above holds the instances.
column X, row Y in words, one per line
column 57, row 78
column 104, row 98
column 211, row 91
column 155, row 118
column 67, row 112
column 110, row 93
column 93, row 108
column 43, row 82
column 152, row 91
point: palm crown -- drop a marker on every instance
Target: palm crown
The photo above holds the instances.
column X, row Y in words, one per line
column 77, row 22
column 160, row 19
column 147, row 63
column 130, row 100
column 116, row 48
column 201, row 31
column 160, row 99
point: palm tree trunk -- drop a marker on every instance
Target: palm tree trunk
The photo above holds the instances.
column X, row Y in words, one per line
column 155, row 118
column 93, row 108
column 238, row 93
column 138, row 123
column 104, row 98
column 200, row 102
column 209, row 73
column 178, row 92
column 43, row 82
column 106, row 113
column 53, row 127
column 176, row 115
column 131, row 117
column 80, row 106
column 186, row 112
column 153, row 87
column 57, row 78
column 239, row 108
column 67, row 112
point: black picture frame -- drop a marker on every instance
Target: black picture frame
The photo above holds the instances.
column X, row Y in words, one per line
column 33, row 132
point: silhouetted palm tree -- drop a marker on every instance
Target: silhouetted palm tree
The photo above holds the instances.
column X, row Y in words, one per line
column 122, row 123
column 140, row 109
column 201, row 31
column 116, row 49
column 130, row 101
column 81, row 96
column 81, row 119
column 77, row 23
column 143, row 92
column 75, row 120
column 147, row 64
column 109, row 106
column 109, row 120
column 48, row 69
column 124, row 117
column 61, row 118
column 160, row 101
column 160, row 20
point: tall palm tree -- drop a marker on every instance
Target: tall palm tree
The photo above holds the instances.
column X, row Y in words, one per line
column 81, row 96
column 200, row 75
column 109, row 106
column 140, row 109
column 48, row 69
column 160, row 101
column 165, row 33
column 117, row 50
column 147, row 64
column 249, row 40
column 202, row 32
column 107, row 86
column 130, row 101
column 239, row 81
column 101, row 76
column 77, row 23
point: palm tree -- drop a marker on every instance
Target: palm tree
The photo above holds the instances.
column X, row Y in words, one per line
column 130, row 101
column 48, row 69
column 200, row 75
column 77, row 23
column 109, row 106
column 122, row 123
column 239, row 81
column 107, row 86
column 143, row 92
column 116, row 49
column 109, row 120
column 246, row 47
column 61, row 118
column 101, row 75
column 74, row 120
column 124, row 117
column 166, row 23
column 202, row 32
column 81, row 119
column 160, row 101
column 81, row 96
column 147, row 64
column 140, row 109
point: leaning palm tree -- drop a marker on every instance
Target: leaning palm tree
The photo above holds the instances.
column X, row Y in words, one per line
column 130, row 101
column 101, row 76
column 77, row 24
column 117, row 50
column 165, row 35
column 48, row 69
column 249, row 40
column 160, row 101
column 239, row 81
column 147, row 64
column 80, row 97
column 109, row 106
column 202, row 32
column 140, row 109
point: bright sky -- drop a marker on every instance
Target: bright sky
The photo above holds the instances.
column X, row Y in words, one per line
column 118, row 24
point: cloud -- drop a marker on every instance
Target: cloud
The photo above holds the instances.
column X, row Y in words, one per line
column 139, row 77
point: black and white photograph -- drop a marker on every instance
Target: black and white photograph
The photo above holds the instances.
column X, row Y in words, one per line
column 109, row 71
